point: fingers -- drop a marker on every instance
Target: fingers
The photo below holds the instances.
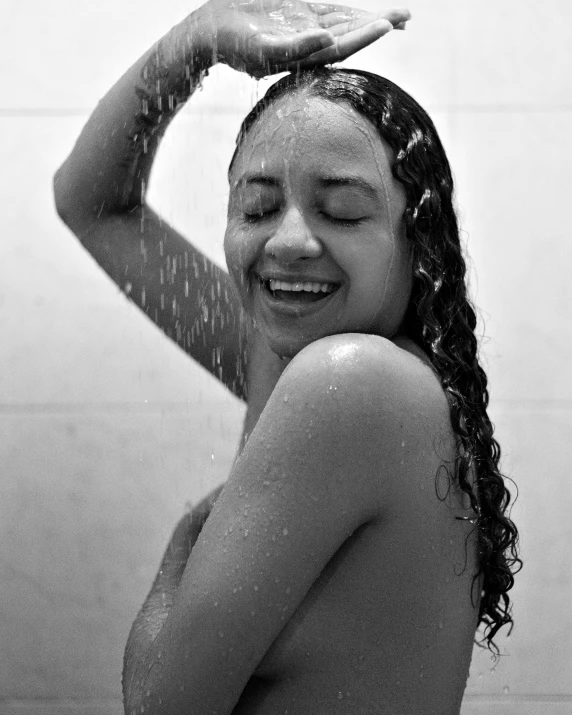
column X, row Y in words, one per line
column 176, row 555
column 346, row 45
column 295, row 47
column 395, row 15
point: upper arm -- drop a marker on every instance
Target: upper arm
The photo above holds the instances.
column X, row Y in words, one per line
column 313, row 471
column 184, row 293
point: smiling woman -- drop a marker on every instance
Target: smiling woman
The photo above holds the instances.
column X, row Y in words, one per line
column 362, row 536
column 312, row 201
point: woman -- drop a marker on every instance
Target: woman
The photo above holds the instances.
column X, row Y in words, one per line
column 361, row 537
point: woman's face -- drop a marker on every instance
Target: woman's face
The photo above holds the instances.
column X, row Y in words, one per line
column 314, row 239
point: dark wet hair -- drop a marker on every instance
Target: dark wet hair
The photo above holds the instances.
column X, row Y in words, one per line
column 440, row 317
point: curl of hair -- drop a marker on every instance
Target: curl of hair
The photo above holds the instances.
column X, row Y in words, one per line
column 440, row 317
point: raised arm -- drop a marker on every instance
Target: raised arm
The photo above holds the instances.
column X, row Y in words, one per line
column 100, row 189
column 100, row 194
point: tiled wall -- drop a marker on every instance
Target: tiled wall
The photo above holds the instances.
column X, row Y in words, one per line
column 107, row 430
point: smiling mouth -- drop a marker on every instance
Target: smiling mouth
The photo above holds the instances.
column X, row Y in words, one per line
column 297, row 292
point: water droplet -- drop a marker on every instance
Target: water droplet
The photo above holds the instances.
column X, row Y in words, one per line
column 506, row 690
column 245, row 533
column 255, row 587
column 285, row 532
column 440, row 624
column 403, row 443
column 340, row 696
column 285, row 398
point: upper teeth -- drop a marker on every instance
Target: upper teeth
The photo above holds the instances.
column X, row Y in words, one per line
column 310, row 287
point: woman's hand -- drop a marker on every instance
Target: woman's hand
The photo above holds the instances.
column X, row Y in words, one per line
column 159, row 602
column 264, row 37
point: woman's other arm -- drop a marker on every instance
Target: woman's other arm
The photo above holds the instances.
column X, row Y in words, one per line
column 159, row 601
column 100, row 194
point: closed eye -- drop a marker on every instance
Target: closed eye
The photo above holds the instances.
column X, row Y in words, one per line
column 343, row 221
column 265, row 215
column 259, row 216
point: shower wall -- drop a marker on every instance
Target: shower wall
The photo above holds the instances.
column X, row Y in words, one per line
column 108, row 431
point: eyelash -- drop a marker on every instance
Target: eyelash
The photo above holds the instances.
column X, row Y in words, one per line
column 348, row 222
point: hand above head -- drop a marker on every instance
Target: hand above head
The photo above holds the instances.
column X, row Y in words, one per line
column 262, row 37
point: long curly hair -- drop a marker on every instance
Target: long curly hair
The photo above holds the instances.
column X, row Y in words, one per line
column 440, row 317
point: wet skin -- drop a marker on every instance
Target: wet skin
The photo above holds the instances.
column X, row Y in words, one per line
column 329, row 577
column 312, row 200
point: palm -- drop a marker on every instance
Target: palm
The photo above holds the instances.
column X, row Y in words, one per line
column 267, row 36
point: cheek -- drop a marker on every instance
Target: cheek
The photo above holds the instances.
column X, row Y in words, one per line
column 240, row 250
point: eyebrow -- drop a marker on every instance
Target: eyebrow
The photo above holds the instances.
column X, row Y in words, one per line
column 325, row 181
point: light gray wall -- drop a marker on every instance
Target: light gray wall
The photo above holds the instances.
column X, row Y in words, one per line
column 107, row 430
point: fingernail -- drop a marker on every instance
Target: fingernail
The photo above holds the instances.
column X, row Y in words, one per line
column 385, row 24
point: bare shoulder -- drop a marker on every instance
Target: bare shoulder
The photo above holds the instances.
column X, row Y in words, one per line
column 375, row 412
column 369, row 374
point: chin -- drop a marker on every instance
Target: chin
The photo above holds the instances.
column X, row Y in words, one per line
column 288, row 348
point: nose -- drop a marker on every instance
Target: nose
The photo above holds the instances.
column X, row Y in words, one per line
column 293, row 239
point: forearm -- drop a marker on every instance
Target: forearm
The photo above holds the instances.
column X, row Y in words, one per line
column 108, row 170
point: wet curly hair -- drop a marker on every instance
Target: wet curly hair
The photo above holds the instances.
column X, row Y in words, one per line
column 440, row 317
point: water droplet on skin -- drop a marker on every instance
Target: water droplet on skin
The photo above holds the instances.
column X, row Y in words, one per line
column 285, row 532
column 256, row 588
column 285, row 398
column 403, row 443
column 506, row 690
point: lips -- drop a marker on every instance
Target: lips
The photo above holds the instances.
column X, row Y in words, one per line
column 295, row 297
column 296, row 290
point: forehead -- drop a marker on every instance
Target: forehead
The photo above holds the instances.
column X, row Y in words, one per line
column 310, row 135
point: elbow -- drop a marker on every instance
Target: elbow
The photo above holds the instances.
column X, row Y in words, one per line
column 70, row 203
column 62, row 199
